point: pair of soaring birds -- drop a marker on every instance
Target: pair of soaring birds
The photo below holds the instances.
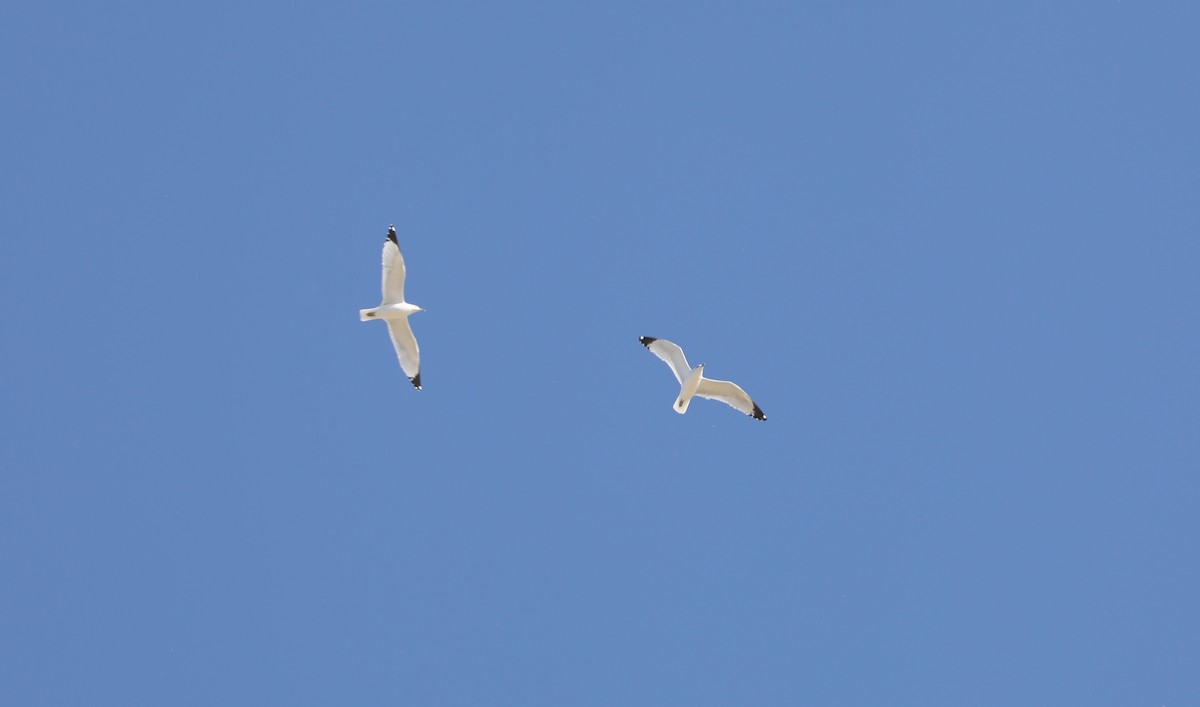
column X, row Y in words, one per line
column 395, row 311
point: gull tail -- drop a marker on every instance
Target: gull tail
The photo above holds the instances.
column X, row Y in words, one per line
column 681, row 404
column 365, row 314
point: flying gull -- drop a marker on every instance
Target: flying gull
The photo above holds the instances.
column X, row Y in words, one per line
column 692, row 381
column 395, row 311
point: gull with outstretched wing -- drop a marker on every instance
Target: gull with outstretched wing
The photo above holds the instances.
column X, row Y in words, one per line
column 692, row 381
column 395, row 311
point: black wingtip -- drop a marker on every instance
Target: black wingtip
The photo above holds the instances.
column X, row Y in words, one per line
column 758, row 413
column 647, row 340
column 416, row 381
column 392, row 235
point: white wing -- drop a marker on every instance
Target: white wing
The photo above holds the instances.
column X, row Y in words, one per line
column 669, row 352
column 393, row 270
column 730, row 394
column 406, row 349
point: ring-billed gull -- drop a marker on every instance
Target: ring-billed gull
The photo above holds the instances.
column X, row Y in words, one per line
column 692, row 381
column 395, row 311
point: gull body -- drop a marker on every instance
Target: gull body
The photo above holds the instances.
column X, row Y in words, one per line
column 692, row 382
column 390, row 311
column 688, row 388
column 395, row 311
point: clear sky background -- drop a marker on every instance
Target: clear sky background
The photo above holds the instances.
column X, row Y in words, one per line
column 950, row 248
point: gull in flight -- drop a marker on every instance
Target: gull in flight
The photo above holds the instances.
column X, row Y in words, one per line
column 692, row 381
column 395, row 311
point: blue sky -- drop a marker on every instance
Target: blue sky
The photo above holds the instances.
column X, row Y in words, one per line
column 951, row 250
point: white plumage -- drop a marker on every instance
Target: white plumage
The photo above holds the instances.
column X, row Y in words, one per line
column 395, row 311
column 692, row 381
